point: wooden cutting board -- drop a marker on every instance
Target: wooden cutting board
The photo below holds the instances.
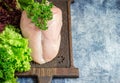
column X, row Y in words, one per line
column 62, row 65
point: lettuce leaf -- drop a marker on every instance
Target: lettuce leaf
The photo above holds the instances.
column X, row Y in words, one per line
column 14, row 54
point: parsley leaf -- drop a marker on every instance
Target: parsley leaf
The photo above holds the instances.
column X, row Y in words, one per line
column 39, row 13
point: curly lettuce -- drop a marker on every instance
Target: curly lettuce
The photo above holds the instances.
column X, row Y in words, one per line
column 14, row 54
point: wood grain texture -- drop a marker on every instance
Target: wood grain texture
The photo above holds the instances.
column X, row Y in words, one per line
column 51, row 72
column 62, row 65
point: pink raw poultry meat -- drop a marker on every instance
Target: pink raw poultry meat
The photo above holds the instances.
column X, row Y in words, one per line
column 44, row 44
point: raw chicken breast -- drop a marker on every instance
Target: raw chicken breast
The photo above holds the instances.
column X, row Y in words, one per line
column 44, row 44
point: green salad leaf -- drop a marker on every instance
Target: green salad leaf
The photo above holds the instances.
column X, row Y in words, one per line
column 14, row 54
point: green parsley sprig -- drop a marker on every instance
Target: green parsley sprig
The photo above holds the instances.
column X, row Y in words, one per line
column 39, row 12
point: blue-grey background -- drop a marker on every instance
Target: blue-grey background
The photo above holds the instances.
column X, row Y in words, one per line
column 96, row 41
